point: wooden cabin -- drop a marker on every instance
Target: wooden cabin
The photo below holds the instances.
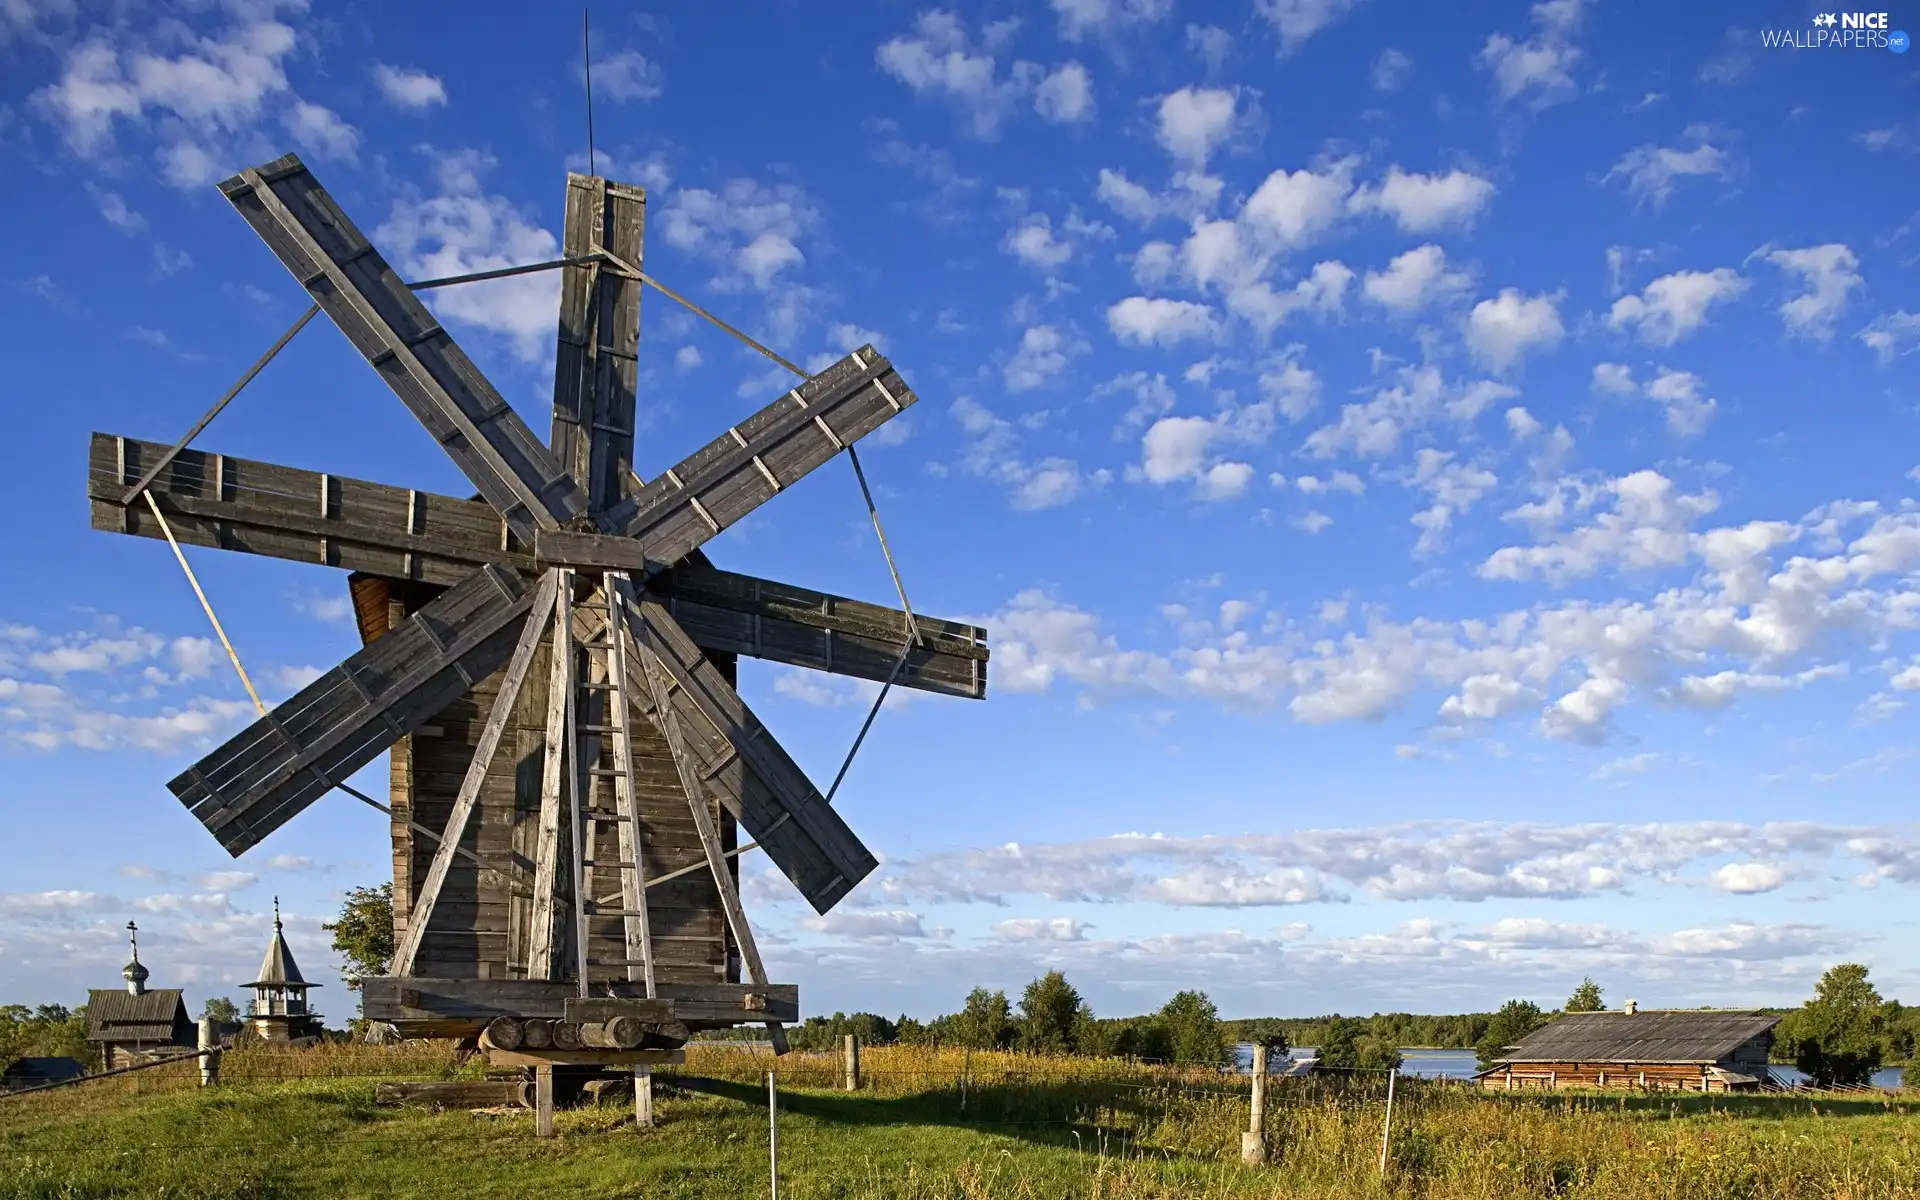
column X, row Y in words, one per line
column 137, row 1024
column 1687, row 1050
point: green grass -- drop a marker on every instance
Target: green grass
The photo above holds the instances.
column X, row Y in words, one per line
column 1032, row 1128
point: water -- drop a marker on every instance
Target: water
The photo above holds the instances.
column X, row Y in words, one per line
column 1461, row 1064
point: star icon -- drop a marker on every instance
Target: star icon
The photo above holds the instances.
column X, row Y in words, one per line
column 1827, row 19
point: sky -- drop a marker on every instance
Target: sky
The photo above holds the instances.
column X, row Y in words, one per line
column 1440, row 479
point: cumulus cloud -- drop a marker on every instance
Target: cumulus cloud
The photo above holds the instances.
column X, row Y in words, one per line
column 1422, row 204
column 1830, row 274
column 1415, row 280
column 1294, row 21
column 1144, row 321
column 994, row 452
column 1066, row 95
column 940, row 60
column 1652, row 173
column 1083, row 19
column 1891, row 335
column 1043, row 353
column 412, row 90
column 1673, row 306
column 1504, row 330
column 1539, row 69
column 1193, row 122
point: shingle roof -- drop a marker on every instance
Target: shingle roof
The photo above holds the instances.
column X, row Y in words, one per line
column 1641, row 1037
column 118, row 1016
column 279, row 969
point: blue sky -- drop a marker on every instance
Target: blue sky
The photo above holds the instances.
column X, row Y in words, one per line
column 1440, row 479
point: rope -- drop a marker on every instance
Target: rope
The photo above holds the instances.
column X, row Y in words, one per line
column 232, row 657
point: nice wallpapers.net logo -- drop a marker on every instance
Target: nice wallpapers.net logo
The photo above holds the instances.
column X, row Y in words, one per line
column 1840, row 31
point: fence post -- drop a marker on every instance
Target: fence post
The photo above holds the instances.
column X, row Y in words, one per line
column 966, row 1068
column 773, row 1138
column 1253, row 1143
column 1386, row 1130
column 543, row 1100
column 209, row 1053
column 643, row 1097
column 851, row 1045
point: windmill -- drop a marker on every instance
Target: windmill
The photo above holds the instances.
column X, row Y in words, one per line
column 551, row 663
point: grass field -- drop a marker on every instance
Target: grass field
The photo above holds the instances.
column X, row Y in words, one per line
column 306, row 1125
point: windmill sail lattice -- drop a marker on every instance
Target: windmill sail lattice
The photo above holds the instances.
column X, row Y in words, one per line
column 551, row 665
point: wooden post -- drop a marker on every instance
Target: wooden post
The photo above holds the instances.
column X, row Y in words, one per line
column 1386, row 1130
column 851, row 1047
column 543, row 1100
column 1253, row 1143
column 643, row 1097
column 773, row 1138
column 966, row 1068
column 209, row 1053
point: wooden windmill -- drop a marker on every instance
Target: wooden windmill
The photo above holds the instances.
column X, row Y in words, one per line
column 552, row 663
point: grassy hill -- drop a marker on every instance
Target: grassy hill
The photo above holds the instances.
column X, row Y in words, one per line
column 287, row 1125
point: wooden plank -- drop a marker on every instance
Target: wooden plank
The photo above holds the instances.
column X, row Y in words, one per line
column 390, row 998
column 449, row 1093
column 629, row 837
column 595, row 368
column 540, row 962
column 484, row 747
column 586, row 1058
column 690, row 780
column 753, row 776
column 263, row 776
column 393, row 330
column 729, row 478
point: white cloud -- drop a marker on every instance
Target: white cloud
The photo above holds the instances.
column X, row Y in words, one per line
column 1830, row 273
column 465, row 229
column 1673, row 306
column 1066, row 95
column 1193, row 122
column 1425, row 203
column 1414, row 280
column 1614, row 379
column 1043, row 353
column 1297, row 20
column 1893, row 334
column 993, row 452
column 1041, row 929
column 321, row 131
column 1539, row 69
column 868, row 925
column 1502, row 331
column 687, row 358
column 403, row 88
column 1143, row 320
column 1652, row 173
column 1647, row 528
column 1292, row 208
column 1688, row 409
column 1033, row 242
column 626, row 75
column 1080, row 19
column 1745, row 879
column 1129, row 199
column 1390, row 70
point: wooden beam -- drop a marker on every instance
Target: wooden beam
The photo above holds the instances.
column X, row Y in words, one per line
column 595, row 367
column 263, row 776
column 546, row 882
column 588, row 1058
column 421, row 911
column 633, row 880
column 746, row 768
column 399, row 533
column 696, row 790
column 703, row 1005
column 769, row 451
column 400, row 338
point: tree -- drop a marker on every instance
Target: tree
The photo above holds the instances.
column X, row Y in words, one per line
column 986, row 1022
column 1838, row 1035
column 364, row 933
column 221, row 1010
column 1351, row 1043
column 1050, row 1015
column 1192, row 1025
column 1515, row 1020
column 1586, row 998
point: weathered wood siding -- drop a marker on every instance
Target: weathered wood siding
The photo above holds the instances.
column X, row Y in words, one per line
column 481, row 923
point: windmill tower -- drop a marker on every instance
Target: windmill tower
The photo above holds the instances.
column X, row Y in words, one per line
column 551, row 663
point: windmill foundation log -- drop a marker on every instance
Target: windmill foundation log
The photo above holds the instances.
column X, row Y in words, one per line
column 550, row 666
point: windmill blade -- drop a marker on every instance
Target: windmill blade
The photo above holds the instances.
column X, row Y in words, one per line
column 232, row 503
column 765, row 454
column 265, row 775
column 418, row 359
column 735, row 758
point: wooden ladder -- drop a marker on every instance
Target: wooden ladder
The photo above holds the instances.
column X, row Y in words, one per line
column 607, row 713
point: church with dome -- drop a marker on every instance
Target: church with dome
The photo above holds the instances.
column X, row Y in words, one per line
column 138, row 1023
column 279, row 1012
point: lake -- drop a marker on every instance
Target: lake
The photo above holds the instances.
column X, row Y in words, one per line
column 1460, row 1064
